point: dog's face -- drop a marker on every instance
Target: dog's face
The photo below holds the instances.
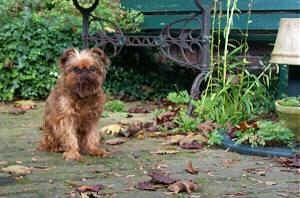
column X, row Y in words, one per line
column 84, row 72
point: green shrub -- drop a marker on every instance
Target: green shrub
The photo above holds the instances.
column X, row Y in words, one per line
column 31, row 45
column 267, row 133
column 215, row 138
column 185, row 122
column 114, row 106
column 181, row 97
column 290, row 101
column 34, row 33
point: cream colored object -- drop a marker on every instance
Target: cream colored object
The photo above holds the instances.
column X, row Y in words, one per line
column 287, row 45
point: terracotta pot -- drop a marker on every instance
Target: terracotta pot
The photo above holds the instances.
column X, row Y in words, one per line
column 290, row 117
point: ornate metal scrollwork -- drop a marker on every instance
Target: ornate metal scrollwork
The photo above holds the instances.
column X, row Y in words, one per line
column 183, row 46
column 111, row 42
column 188, row 47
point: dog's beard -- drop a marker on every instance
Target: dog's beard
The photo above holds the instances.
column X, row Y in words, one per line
column 86, row 87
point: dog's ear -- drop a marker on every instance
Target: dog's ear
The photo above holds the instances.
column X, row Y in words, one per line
column 66, row 56
column 98, row 53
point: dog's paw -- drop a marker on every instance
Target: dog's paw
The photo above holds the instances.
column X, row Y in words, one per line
column 98, row 152
column 72, row 155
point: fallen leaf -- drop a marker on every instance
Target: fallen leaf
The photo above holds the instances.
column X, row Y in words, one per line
column 34, row 159
column 133, row 128
column 25, row 105
column 17, row 170
column 229, row 162
column 113, row 129
column 200, row 138
column 190, row 144
column 145, row 185
column 129, row 116
column 3, row 163
column 207, row 127
column 164, row 151
column 89, row 188
column 290, row 162
column 236, row 194
column 115, row 141
column 174, row 139
column 150, row 127
column 190, row 169
column 138, row 109
column 261, row 173
column 160, row 177
column 166, row 116
column 270, row 183
column 243, row 126
column 16, row 111
column 296, row 160
column 169, row 125
column 183, row 186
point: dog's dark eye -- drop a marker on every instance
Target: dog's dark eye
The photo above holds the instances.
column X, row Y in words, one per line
column 76, row 70
column 92, row 68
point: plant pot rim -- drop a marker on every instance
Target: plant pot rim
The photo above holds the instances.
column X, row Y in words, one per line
column 286, row 109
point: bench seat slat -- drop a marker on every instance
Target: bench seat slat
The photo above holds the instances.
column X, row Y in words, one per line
column 149, row 6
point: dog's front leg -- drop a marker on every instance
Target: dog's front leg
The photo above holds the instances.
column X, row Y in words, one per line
column 68, row 139
column 90, row 142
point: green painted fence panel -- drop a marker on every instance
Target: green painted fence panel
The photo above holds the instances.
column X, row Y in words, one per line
column 188, row 5
column 257, row 22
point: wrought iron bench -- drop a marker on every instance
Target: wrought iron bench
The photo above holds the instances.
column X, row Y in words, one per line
column 187, row 46
column 181, row 29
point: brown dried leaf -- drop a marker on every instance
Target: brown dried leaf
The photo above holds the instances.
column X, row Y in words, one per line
column 290, row 163
column 175, row 139
column 145, row 185
column 190, row 144
column 207, row 127
column 16, row 111
column 231, row 130
column 17, row 170
column 90, row 188
column 160, row 177
column 229, row 162
column 270, row 183
column 243, row 126
column 113, row 129
column 164, row 151
column 166, row 116
column 115, row 141
column 25, row 105
column 183, row 186
column 150, row 127
column 138, row 110
column 133, row 128
column 190, row 169
column 169, row 125
column 200, row 138
column 296, row 160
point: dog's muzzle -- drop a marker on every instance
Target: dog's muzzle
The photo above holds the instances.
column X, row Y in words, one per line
column 86, row 86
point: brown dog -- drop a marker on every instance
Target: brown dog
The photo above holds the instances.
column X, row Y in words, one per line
column 74, row 106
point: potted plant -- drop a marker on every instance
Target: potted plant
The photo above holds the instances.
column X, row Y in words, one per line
column 288, row 110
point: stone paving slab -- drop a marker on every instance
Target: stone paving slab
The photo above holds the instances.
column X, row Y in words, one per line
column 221, row 173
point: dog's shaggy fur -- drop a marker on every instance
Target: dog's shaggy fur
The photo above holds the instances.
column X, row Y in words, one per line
column 74, row 106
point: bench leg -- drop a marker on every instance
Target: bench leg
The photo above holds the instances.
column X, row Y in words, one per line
column 195, row 90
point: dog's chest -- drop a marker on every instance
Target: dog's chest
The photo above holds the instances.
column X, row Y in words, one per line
column 87, row 111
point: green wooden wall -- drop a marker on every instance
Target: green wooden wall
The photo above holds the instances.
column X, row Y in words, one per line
column 264, row 20
column 188, row 5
